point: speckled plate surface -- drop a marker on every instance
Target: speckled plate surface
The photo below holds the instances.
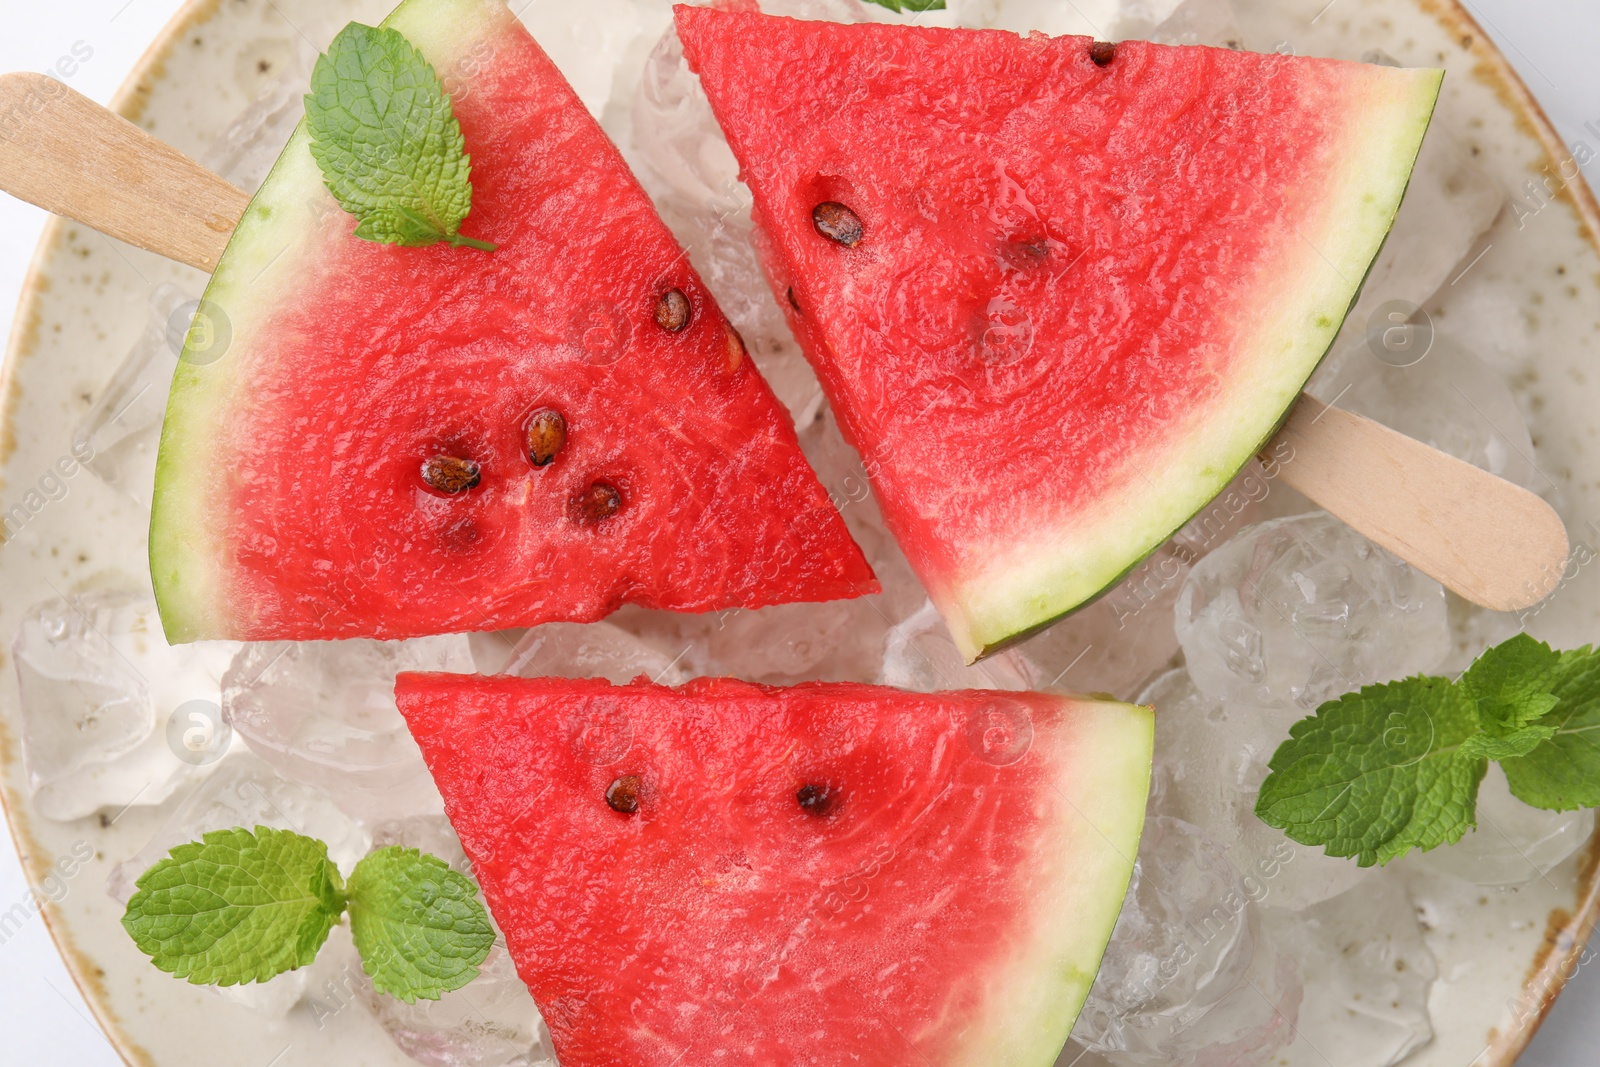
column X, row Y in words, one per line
column 1532, row 298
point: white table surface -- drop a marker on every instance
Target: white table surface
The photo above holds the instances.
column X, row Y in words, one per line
column 43, row 1020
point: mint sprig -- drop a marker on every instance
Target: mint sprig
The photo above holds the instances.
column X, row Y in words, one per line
column 387, row 141
column 236, row 906
column 417, row 924
column 1394, row 767
column 245, row 906
column 910, row 5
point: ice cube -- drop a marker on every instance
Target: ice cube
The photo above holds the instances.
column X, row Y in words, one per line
column 920, row 655
column 1452, row 400
column 1295, row 611
column 432, row 834
column 1514, row 842
column 1210, row 762
column 1115, row 644
column 591, row 650
column 123, row 428
column 1188, row 978
column 106, row 703
column 1436, row 239
column 786, row 643
column 122, row 431
column 248, row 146
column 489, row 1022
column 1209, row 22
column 244, row 791
column 1366, row 974
column 323, row 713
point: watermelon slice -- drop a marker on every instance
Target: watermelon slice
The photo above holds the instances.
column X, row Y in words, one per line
column 825, row 875
column 291, row 500
column 1058, row 292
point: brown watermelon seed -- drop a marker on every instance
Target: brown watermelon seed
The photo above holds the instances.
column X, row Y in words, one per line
column 815, row 799
column 837, row 223
column 793, row 302
column 672, row 311
column 547, row 433
column 450, row 474
column 1102, row 52
column 597, row 503
column 623, row 794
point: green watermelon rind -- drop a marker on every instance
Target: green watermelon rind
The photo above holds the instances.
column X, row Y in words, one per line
column 1014, row 599
column 1040, row 994
column 265, row 256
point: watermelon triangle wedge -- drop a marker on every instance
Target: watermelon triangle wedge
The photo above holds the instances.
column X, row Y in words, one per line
column 831, row 874
column 1057, row 291
column 623, row 448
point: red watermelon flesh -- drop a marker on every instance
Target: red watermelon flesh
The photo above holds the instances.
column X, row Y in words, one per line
column 1088, row 281
column 824, row 875
column 289, row 501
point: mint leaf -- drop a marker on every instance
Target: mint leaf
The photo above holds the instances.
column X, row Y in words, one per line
column 1511, row 683
column 1563, row 773
column 1505, row 746
column 236, row 906
column 387, row 142
column 418, row 924
column 1377, row 773
column 910, row 5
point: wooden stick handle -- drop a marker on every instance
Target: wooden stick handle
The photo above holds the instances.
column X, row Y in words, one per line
column 1492, row 542
column 67, row 154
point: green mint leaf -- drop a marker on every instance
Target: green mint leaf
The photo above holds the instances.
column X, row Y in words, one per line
column 1511, row 683
column 418, row 924
column 1563, row 773
column 910, row 5
column 236, row 906
column 1518, row 742
column 387, row 142
column 1377, row 773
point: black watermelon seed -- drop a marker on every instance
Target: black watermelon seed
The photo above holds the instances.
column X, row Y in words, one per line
column 837, row 223
column 450, row 474
column 815, row 799
column 547, row 433
column 597, row 503
column 623, row 794
column 1102, row 52
column 794, row 303
column 672, row 311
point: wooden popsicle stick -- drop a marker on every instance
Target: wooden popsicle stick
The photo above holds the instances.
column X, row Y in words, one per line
column 1494, row 543
column 1488, row 540
column 67, row 154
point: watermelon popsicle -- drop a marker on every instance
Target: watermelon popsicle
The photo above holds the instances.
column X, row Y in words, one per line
column 1488, row 540
column 1059, row 291
column 826, row 874
column 539, row 418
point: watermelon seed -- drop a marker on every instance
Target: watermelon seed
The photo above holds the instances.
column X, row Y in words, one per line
column 623, row 794
column 815, row 799
column 450, row 474
column 672, row 311
column 837, row 223
column 793, row 302
column 1102, row 52
column 597, row 503
column 547, row 433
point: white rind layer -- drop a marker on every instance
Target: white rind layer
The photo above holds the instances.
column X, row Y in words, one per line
column 1079, row 879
